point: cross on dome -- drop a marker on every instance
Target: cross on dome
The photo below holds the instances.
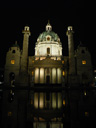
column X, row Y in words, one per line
column 48, row 26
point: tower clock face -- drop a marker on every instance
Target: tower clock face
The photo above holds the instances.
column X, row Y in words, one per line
column 48, row 38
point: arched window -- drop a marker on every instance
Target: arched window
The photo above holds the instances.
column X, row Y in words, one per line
column 12, row 61
column 83, row 61
column 48, row 51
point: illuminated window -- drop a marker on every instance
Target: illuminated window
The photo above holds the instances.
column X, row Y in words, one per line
column 85, row 93
column 63, row 73
column 37, row 58
column 9, row 113
column 32, row 73
column 48, row 38
column 42, row 58
column 64, row 102
column 62, row 61
column 35, row 119
column 83, row 61
column 41, row 119
column 12, row 61
column 53, row 58
column 48, row 51
column 86, row 114
column 58, row 58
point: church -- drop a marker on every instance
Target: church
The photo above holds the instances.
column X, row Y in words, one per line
column 38, row 87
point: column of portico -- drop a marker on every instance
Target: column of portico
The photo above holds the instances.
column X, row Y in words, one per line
column 39, row 75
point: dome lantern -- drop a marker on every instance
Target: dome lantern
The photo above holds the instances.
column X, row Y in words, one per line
column 48, row 27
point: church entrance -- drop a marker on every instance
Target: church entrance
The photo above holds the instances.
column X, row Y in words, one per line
column 47, row 79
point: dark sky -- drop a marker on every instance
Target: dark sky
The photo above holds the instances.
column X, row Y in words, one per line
column 14, row 15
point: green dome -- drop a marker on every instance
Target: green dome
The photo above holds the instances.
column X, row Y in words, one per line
column 48, row 35
column 53, row 35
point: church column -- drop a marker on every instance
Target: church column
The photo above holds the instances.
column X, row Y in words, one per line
column 59, row 75
column 39, row 76
column 24, row 58
column 71, row 50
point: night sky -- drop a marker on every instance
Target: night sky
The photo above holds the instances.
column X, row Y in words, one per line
column 14, row 15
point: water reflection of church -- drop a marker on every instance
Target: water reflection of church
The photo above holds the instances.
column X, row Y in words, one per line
column 41, row 98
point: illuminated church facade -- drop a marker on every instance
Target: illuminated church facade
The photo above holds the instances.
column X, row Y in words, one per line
column 47, row 73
